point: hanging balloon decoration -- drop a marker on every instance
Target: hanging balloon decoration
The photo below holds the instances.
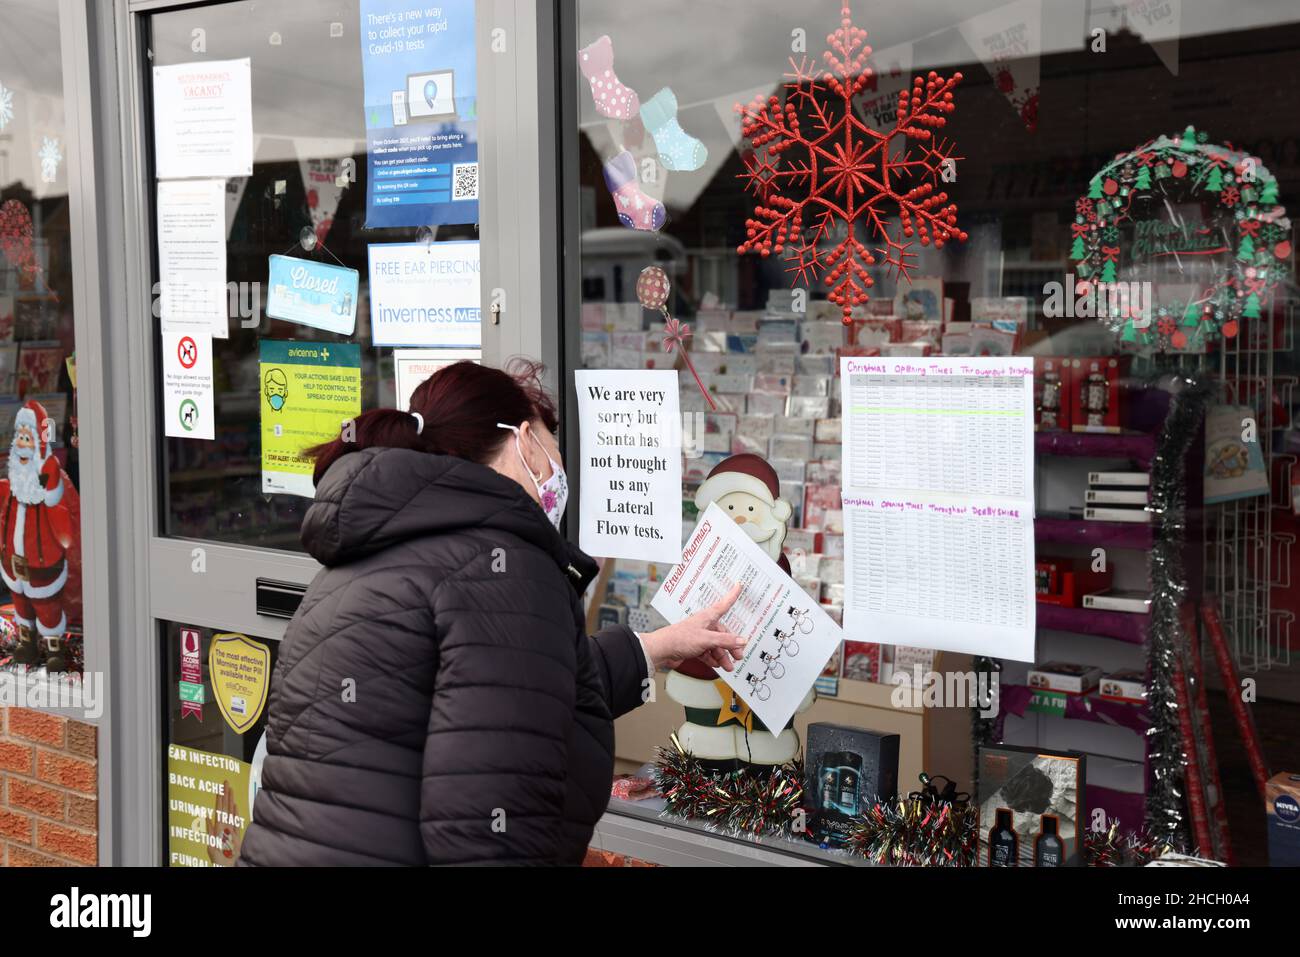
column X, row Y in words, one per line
column 652, row 289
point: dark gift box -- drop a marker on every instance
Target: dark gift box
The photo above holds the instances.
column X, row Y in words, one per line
column 1031, row 806
column 846, row 770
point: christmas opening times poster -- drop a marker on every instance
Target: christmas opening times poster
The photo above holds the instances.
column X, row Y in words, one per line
column 938, row 503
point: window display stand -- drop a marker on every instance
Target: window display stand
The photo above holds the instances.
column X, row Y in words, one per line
column 934, row 740
column 640, row 830
column 1119, row 785
column 1245, row 558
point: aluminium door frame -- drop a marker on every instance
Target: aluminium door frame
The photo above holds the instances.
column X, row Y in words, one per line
column 156, row 580
column 109, row 582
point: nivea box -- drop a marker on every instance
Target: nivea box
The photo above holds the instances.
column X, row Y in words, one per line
column 1282, row 795
column 846, row 770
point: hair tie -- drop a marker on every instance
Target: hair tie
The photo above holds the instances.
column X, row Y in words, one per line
column 419, row 422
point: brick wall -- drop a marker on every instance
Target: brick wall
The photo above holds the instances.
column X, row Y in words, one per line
column 49, row 811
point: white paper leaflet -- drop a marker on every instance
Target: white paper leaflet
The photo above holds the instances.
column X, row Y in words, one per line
column 790, row 638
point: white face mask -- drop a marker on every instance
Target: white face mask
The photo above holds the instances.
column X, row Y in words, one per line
column 554, row 492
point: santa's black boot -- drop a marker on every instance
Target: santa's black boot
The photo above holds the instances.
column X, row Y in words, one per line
column 28, row 651
column 53, row 658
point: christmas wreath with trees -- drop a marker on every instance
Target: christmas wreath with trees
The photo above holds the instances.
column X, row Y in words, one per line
column 1244, row 224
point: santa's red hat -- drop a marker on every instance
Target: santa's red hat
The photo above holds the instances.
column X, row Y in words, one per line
column 747, row 473
column 32, row 415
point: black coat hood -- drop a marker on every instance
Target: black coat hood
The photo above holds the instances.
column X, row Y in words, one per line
column 376, row 498
column 437, row 674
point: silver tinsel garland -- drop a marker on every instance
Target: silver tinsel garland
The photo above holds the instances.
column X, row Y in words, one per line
column 1166, row 808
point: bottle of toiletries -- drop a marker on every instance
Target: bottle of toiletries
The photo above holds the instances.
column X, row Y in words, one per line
column 1004, row 845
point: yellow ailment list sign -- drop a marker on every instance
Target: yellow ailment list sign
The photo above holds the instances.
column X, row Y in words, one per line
column 208, row 807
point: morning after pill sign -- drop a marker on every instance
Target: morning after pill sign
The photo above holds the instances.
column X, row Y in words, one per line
column 426, row 294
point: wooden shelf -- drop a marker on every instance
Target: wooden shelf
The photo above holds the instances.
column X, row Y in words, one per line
column 872, row 694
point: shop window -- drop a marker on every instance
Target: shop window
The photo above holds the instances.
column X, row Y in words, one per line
column 302, row 338
column 40, row 544
column 1121, row 147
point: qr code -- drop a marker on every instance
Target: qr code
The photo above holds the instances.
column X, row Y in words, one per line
column 464, row 181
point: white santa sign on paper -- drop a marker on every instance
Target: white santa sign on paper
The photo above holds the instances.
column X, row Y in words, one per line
column 39, row 538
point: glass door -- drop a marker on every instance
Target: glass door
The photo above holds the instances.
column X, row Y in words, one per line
column 309, row 184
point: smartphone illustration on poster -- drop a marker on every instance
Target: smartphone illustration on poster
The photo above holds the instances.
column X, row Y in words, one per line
column 431, row 95
column 399, row 108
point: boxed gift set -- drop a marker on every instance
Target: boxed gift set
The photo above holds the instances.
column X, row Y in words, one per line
column 1096, row 386
column 1031, row 806
column 1129, row 686
column 1282, row 794
column 1052, row 395
column 1063, row 580
column 846, row 770
column 1064, row 677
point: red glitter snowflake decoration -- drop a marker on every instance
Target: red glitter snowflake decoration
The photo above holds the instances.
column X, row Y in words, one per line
column 846, row 172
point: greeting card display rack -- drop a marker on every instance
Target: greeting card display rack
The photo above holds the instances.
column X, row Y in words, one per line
column 1245, row 559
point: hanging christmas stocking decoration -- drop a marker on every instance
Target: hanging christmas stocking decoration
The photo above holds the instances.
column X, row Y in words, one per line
column 613, row 99
column 636, row 210
column 678, row 150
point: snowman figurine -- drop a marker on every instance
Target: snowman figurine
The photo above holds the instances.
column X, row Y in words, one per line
column 720, row 730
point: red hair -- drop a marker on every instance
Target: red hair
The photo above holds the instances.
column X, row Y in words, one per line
column 461, row 405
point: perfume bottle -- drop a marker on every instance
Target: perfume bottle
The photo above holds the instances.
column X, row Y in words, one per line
column 830, row 780
column 1049, row 849
column 1004, row 845
column 1095, row 395
column 1050, row 405
column 850, row 777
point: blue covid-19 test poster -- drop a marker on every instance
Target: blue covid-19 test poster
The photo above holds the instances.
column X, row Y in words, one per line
column 419, row 70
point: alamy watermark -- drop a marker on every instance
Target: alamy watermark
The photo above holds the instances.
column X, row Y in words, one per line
column 76, row 910
column 83, row 696
column 1088, row 299
column 919, row 688
column 238, row 300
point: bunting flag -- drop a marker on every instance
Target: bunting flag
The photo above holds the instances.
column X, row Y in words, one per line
column 1009, row 41
column 1156, row 22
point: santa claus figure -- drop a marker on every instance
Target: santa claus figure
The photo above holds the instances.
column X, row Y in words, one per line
column 746, row 487
column 39, row 531
column 720, row 729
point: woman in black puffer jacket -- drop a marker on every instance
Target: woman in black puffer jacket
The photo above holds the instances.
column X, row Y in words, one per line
column 436, row 699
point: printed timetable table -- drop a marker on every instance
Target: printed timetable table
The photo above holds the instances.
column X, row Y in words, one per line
column 939, row 503
column 960, row 565
column 964, row 434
